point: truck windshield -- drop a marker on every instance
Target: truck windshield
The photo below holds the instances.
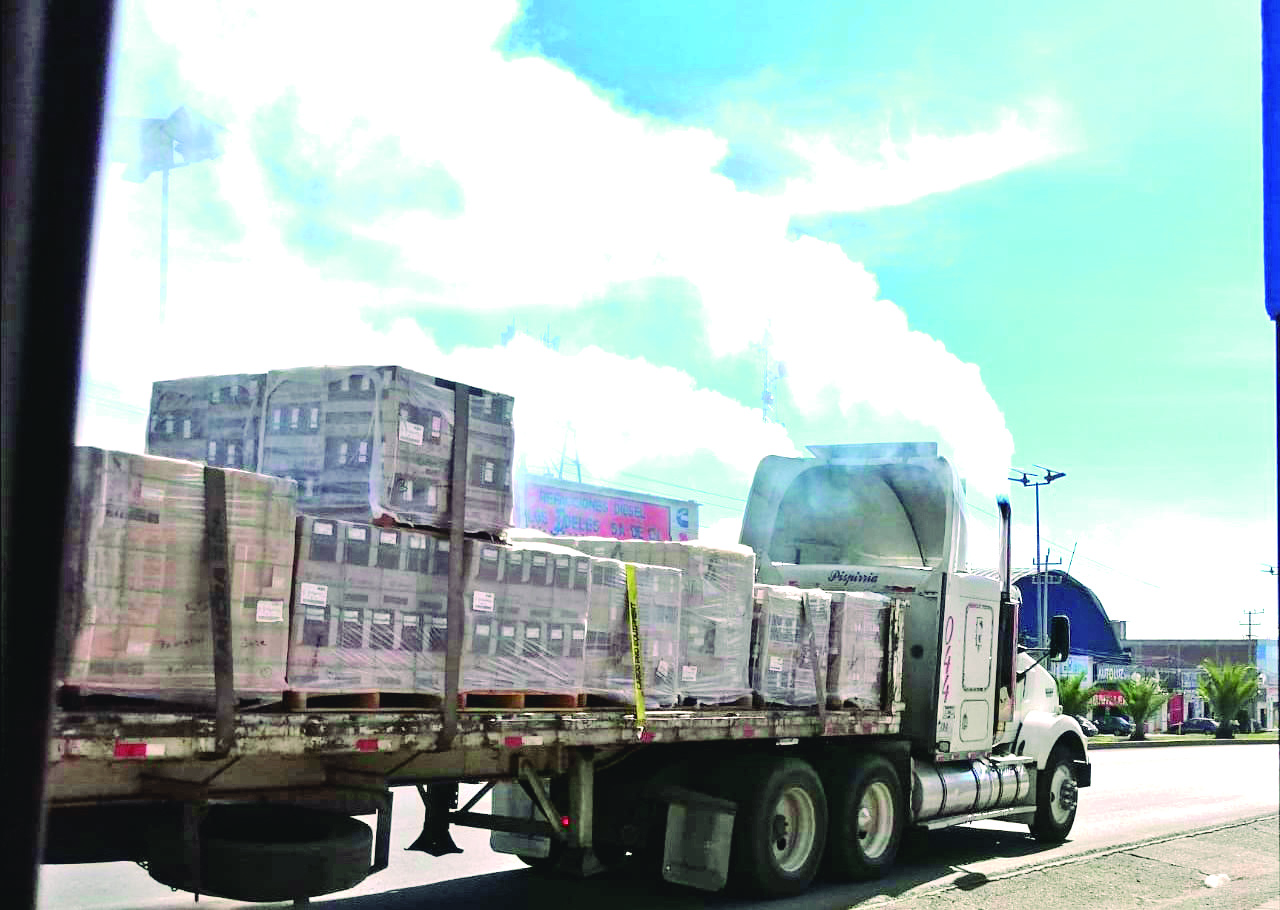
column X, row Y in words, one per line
column 889, row 515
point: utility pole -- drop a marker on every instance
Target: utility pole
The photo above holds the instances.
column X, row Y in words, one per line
column 1249, row 621
column 1041, row 566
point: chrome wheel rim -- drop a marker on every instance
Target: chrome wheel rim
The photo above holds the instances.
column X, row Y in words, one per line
column 793, row 829
column 1062, row 794
column 875, row 820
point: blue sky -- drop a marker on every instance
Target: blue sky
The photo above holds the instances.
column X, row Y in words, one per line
column 1034, row 237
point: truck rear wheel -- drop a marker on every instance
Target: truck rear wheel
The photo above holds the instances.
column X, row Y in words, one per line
column 264, row 853
column 1056, row 796
column 781, row 826
column 866, row 818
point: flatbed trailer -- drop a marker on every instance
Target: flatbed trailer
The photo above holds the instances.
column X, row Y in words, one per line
column 259, row 804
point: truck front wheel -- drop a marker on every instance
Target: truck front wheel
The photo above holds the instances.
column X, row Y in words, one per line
column 781, row 826
column 866, row 818
column 1056, row 798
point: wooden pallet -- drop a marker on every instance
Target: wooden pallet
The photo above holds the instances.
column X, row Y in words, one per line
column 520, row 700
column 360, row 701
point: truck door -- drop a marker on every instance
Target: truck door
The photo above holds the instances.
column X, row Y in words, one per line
column 967, row 650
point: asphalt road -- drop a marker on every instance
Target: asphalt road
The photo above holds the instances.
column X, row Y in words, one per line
column 1139, row 795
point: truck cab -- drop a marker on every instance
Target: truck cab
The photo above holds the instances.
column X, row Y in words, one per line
column 890, row 519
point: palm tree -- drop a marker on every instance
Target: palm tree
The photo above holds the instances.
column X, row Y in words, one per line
column 1228, row 688
column 1074, row 695
column 1143, row 696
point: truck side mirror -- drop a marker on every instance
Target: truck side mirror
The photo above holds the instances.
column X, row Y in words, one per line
column 1059, row 637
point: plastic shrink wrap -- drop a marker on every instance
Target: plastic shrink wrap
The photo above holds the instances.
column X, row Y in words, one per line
column 135, row 610
column 714, row 644
column 364, row 443
column 371, row 613
column 790, row 637
column 859, row 648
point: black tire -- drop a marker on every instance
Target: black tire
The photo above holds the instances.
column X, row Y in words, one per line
column 1056, row 799
column 264, row 853
column 867, row 818
column 771, row 857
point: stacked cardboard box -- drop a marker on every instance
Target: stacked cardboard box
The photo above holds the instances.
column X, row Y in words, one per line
column 790, row 635
column 136, row 596
column 859, row 642
column 609, row 671
column 715, row 611
column 364, row 443
column 370, row 613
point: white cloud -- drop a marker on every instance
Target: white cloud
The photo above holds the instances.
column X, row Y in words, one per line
column 564, row 196
column 843, row 177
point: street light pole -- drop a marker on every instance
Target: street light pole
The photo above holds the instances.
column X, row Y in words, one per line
column 1041, row 566
column 164, row 240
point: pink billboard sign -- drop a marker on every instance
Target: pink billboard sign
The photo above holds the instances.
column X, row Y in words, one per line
column 1109, row 699
column 1176, row 705
column 576, row 514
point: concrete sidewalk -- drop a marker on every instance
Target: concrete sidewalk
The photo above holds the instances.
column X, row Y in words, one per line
column 1232, row 867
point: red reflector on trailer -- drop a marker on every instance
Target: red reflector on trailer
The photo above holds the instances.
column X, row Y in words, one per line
column 513, row 742
column 564, row 821
column 366, row 745
column 139, row 750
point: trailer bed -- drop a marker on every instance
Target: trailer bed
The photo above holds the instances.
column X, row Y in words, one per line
column 114, row 754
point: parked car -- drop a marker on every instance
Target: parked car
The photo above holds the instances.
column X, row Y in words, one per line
column 1086, row 726
column 1199, row 725
column 1114, row 724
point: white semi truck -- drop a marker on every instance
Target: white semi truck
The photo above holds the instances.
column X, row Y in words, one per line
column 262, row 806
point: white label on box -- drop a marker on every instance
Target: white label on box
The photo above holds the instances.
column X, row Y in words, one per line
column 689, row 673
column 615, row 614
column 654, row 650
column 557, row 633
column 357, row 534
column 138, row 648
column 186, row 428
column 532, row 632
column 482, row 601
column 350, row 615
column 315, row 614
column 417, row 542
column 388, row 537
column 315, row 595
column 663, row 668
column 409, row 619
column 315, row 418
column 579, row 634
column 270, row 611
column 507, row 631
column 775, row 664
column 323, row 528
column 482, row 628
column 154, row 494
column 412, row 432
column 382, row 617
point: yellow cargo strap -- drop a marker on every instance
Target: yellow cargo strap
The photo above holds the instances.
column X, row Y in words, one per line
column 637, row 664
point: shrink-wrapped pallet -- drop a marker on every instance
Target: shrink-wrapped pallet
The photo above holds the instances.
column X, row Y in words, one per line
column 715, row 610
column 859, row 648
column 371, row 613
column 364, row 443
column 609, row 668
column 789, row 641
column 136, row 593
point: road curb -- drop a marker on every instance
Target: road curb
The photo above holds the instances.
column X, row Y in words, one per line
column 1160, row 743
